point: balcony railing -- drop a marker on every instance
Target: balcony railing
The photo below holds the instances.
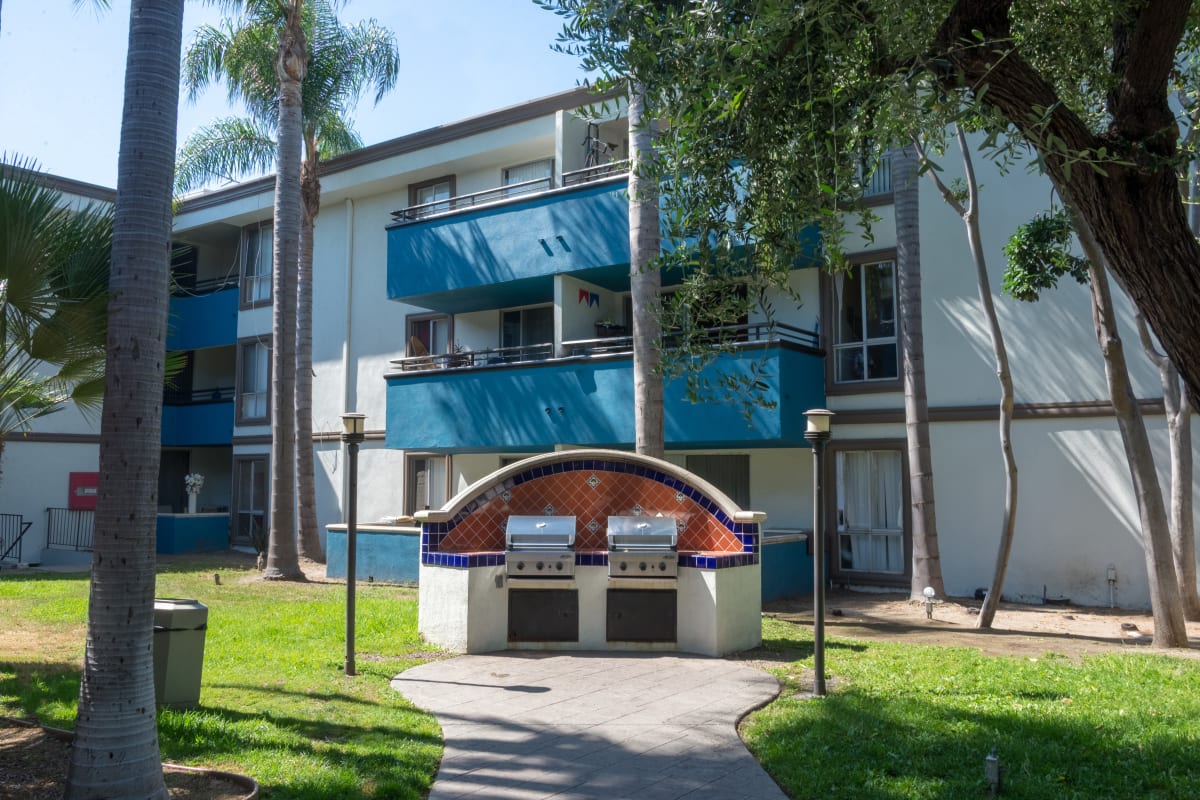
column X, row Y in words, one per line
column 189, row 286
column 758, row 332
column 464, row 201
column 13, row 528
column 192, row 397
column 69, row 529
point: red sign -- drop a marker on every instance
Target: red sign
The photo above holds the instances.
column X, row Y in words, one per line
column 82, row 491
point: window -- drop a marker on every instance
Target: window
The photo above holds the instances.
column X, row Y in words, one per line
column 729, row 473
column 250, row 503
column 431, row 192
column 428, row 335
column 870, row 511
column 426, row 482
column 864, row 347
column 257, row 253
column 254, row 381
column 527, row 327
column 542, row 171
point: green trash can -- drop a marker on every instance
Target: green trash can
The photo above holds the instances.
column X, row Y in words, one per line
column 179, row 628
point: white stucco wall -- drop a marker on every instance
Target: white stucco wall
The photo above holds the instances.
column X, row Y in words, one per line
column 35, row 477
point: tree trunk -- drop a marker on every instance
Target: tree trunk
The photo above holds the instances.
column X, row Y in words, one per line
column 306, row 487
column 1169, row 627
column 926, row 563
column 115, row 753
column 1133, row 206
column 970, row 216
column 282, row 559
column 645, row 280
column 1179, row 430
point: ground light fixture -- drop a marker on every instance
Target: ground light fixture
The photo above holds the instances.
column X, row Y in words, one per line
column 818, row 435
column 929, row 595
column 353, row 425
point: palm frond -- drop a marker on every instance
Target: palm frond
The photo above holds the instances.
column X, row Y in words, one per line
column 228, row 149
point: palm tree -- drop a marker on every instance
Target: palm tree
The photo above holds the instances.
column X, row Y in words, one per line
column 54, row 279
column 343, row 62
column 926, row 562
column 645, row 279
column 116, row 736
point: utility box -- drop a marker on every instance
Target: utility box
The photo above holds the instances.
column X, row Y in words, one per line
column 179, row 629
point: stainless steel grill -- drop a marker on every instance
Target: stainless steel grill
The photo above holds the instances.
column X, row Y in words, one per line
column 642, row 547
column 539, row 547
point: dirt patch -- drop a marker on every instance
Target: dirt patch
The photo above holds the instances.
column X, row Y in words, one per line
column 33, row 766
column 1072, row 631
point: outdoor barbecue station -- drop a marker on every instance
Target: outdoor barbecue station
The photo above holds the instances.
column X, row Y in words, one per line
column 591, row 550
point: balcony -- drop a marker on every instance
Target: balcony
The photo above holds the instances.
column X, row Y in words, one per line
column 198, row 418
column 503, row 246
column 204, row 315
column 530, row 402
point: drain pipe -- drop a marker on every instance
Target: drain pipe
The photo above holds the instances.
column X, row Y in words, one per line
column 1111, row 573
column 346, row 350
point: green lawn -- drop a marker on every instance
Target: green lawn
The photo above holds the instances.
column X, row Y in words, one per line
column 905, row 721
column 274, row 702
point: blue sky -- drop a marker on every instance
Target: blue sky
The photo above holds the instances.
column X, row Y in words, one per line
column 63, row 69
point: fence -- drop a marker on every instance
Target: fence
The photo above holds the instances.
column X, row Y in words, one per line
column 69, row 529
column 12, row 531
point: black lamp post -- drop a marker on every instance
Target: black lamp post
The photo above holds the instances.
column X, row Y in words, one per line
column 352, row 434
column 817, row 433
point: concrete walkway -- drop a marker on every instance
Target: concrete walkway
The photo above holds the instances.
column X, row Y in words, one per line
column 594, row 726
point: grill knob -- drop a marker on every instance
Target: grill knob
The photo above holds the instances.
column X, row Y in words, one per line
column 662, row 566
column 559, row 566
column 624, row 566
column 642, row 566
column 540, row 566
column 520, row 565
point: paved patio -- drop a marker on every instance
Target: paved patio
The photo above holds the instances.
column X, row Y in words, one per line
column 592, row 726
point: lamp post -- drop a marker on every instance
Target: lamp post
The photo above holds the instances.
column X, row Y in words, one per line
column 817, row 433
column 352, row 434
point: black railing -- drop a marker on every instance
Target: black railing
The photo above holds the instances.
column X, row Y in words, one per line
column 195, row 397
column 12, row 530
column 477, row 358
column 188, row 287
column 599, row 172
column 735, row 335
column 459, row 202
column 69, row 528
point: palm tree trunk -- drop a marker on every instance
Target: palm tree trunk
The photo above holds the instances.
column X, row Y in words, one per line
column 115, row 753
column 282, row 559
column 306, row 487
column 1169, row 627
column 926, row 559
column 645, row 280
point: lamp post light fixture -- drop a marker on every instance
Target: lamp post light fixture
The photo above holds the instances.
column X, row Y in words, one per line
column 817, row 433
column 353, row 425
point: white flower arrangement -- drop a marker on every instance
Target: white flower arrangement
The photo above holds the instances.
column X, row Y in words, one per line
column 194, row 481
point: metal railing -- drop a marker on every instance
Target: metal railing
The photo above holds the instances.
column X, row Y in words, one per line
column 13, row 528
column 576, row 177
column 69, row 528
column 477, row 358
column 752, row 333
column 195, row 397
column 189, row 287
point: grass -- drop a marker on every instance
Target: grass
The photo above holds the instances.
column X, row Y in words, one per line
column 905, row 721
column 274, row 702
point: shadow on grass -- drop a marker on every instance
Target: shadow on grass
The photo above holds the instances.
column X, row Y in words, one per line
column 856, row 746
column 29, row 688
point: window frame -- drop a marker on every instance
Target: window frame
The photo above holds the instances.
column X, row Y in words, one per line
column 522, row 310
column 409, row 499
column 549, row 178
column 239, row 460
column 246, row 298
column 418, row 318
column 415, row 188
column 240, row 389
column 829, row 479
column 829, row 326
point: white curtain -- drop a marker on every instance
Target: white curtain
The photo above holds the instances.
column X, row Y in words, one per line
column 870, row 509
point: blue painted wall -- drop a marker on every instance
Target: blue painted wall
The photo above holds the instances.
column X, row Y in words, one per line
column 587, row 402
column 207, row 320
column 394, row 557
column 787, row 570
column 192, row 533
column 199, row 424
column 513, row 249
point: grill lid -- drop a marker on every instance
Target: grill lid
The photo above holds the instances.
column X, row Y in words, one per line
column 642, row 533
column 528, row 533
